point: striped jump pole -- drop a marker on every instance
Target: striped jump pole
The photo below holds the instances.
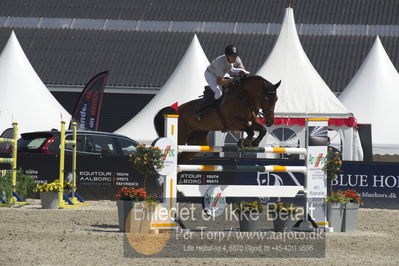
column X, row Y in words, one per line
column 191, row 148
column 241, row 168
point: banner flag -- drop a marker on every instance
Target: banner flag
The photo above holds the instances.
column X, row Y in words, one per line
column 87, row 110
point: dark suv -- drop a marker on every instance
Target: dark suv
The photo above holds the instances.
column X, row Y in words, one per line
column 88, row 142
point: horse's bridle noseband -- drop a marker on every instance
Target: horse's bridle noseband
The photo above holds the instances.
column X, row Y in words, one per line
column 259, row 113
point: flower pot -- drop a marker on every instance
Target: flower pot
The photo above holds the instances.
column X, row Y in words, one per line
column 139, row 220
column 335, row 215
column 134, row 217
column 350, row 217
column 284, row 222
column 248, row 223
column 49, row 200
column 124, row 208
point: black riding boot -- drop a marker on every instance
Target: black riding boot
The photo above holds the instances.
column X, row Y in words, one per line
column 203, row 104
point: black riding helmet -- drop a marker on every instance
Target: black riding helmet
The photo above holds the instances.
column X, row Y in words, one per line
column 231, row 50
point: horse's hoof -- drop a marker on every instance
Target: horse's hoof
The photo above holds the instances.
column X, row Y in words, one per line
column 254, row 144
column 242, row 143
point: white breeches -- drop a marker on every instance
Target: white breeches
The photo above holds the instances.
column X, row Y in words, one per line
column 211, row 79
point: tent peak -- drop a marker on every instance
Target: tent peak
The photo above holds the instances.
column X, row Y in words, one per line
column 302, row 89
column 376, row 84
column 183, row 85
column 22, row 87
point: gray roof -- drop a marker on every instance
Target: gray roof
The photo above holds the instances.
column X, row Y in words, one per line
column 146, row 59
column 383, row 12
column 141, row 41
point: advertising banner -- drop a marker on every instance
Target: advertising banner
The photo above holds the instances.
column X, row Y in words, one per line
column 87, row 110
column 377, row 183
column 317, row 151
column 207, row 178
column 317, row 180
column 99, row 177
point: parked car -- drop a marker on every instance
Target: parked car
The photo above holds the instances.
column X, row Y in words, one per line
column 88, row 142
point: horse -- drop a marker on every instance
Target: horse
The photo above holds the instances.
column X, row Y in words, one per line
column 238, row 111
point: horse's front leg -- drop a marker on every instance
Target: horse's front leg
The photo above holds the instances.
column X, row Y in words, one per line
column 245, row 143
column 262, row 132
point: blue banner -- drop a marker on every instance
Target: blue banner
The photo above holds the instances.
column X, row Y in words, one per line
column 377, row 183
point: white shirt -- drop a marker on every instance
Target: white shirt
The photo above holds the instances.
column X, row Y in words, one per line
column 220, row 66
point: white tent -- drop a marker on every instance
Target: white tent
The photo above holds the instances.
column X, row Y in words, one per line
column 373, row 95
column 186, row 83
column 23, row 96
column 303, row 93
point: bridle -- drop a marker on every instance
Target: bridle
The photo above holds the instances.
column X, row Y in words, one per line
column 262, row 101
column 265, row 92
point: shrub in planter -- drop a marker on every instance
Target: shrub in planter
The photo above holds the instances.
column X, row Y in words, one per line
column 333, row 165
column 49, row 193
column 54, row 186
column 283, row 215
column 342, row 207
column 351, row 196
column 135, row 210
column 353, row 202
column 146, row 160
column 24, row 185
column 335, row 210
column 249, row 213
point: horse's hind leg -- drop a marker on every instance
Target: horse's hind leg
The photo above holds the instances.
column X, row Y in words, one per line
column 196, row 138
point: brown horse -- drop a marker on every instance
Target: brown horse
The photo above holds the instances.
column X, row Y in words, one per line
column 238, row 112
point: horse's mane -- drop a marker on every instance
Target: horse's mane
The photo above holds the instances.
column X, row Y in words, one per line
column 253, row 77
column 239, row 81
column 256, row 77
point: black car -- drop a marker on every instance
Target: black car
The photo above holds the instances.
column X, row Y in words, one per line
column 88, row 142
column 103, row 166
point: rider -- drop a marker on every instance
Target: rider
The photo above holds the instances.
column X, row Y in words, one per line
column 216, row 73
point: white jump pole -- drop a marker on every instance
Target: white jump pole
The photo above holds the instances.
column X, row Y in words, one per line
column 191, row 148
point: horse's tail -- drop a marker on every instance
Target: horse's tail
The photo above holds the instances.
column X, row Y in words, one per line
column 159, row 119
